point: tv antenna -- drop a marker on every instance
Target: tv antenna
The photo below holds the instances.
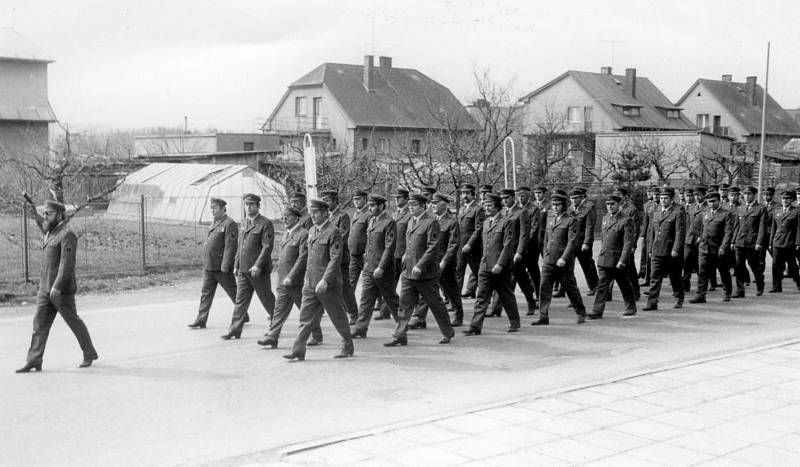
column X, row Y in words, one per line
column 613, row 47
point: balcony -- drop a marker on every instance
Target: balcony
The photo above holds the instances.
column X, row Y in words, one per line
column 294, row 125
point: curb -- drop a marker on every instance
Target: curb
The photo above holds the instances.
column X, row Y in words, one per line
column 310, row 445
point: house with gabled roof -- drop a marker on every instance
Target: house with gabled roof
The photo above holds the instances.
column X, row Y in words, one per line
column 580, row 115
column 358, row 108
column 25, row 111
column 734, row 109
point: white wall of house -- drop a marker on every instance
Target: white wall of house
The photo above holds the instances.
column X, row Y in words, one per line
column 290, row 118
column 702, row 102
column 556, row 101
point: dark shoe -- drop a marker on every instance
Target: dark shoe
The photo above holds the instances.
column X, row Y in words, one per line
column 494, row 314
column 650, row 307
column 532, row 307
column 678, row 304
column 513, row 328
column 775, row 290
column 726, row 298
column 295, row 357
column 359, row 333
column 268, row 342
column 542, row 322
column 594, row 315
column 381, row 316
column 231, row 335
column 457, row 322
column 445, row 340
column 609, row 298
column 559, row 294
column 712, row 288
column 747, row 284
column 468, row 295
column 581, row 319
column 246, row 318
column 760, row 292
column 344, row 354
column 396, row 342
column 470, row 331
column 739, row 294
column 417, row 325
column 313, row 342
column 30, row 367
column 592, row 292
column 87, row 362
column 628, row 313
column 698, row 300
column 197, row 325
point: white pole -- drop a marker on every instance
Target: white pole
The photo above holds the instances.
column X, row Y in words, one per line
column 513, row 162
column 310, row 166
column 763, row 127
column 505, row 166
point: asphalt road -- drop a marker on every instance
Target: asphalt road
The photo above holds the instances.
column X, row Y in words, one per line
column 164, row 395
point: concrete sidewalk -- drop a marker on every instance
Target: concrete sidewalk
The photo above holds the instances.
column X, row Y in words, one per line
column 739, row 409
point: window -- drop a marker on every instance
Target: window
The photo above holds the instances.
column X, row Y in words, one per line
column 702, row 120
column 587, row 113
column 300, row 107
column 383, row 146
column 317, row 113
column 364, row 144
column 673, row 113
column 333, row 144
column 717, row 121
column 630, row 111
column 416, row 146
column 574, row 114
column 249, row 146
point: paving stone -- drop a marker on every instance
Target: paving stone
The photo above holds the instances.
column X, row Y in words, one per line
column 340, row 454
column 790, row 442
column 513, row 414
column 779, row 371
column 310, row 457
column 775, row 420
column 599, row 417
column 669, row 454
column 621, row 460
column 687, row 375
column 427, row 433
column 375, row 462
column 655, row 381
column 725, row 462
column 381, row 444
column 520, row 436
column 737, row 430
column 562, row 426
column 721, row 411
column 760, row 379
column 670, row 399
column 704, row 442
column 521, row 458
column 572, row 451
column 686, row 419
column 615, row 440
column 732, row 383
column 749, row 401
column 766, row 456
column 552, row 405
column 713, row 369
column 427, row 455
column 476, row 447
column 471, row 423
column 624, row 390
column 651, row 429
column 589, row 397
column 635, row 407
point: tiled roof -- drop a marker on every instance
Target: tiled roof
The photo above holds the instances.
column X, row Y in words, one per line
column 734, row 97
column 401, row 97
column 608, row 92
column 14, row 46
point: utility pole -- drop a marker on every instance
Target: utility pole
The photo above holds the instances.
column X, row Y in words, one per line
column 763, row 127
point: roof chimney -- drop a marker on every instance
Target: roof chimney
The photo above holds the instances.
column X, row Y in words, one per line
column 605, row 70
column 369, row 72
column 727, row 78
column 630, row 81
column 385, row 62
column 750, row 89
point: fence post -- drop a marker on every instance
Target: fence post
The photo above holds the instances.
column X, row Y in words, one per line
column 142, row 233
column 25, row 252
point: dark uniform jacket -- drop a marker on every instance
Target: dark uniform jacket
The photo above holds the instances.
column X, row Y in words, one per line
column 628, row 209
column 648, row 210
column 58, row 268
column 401, row 218
column 469, row 220
column 292, row 261
column 219, row 251
column 784, row 228
column 341, row 220
column 324, row 252
column 381, row 243
column 694, row 224
column 499, row 239
column 305, row 219
column 717, row 230
column 522, row 225
column 619, row 238
column 255, row 245
column 422, row 248
column 561, row 238
column 667, row 229
column 751, row 226
column 449, row 238
column 536, row 229
column 357, row 241
column 770, row 215
column 587, row 218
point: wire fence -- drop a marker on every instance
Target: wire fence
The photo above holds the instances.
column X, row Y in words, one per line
column 117, row 239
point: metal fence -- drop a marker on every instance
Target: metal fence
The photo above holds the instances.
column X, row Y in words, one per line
column 108, row 244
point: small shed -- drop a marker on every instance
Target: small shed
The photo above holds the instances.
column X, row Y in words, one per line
column 180, row 193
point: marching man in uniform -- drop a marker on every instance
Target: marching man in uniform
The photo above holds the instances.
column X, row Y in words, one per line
column 665, row 247
column 715, row 241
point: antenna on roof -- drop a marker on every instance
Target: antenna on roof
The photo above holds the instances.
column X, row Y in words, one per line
column 373, row 29
column 613, row 45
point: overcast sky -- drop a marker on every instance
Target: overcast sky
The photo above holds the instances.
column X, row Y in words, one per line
column 128, row 64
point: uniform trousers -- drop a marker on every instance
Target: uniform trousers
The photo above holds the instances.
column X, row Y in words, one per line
column 783, row 258
column 566, row 276
column 46, row 309
column 348, row 291
column 745, row 256
column 532, row 265
column 449, row 287
column 488, row 284
column 371, row 289
column 311, row 308
column 644, row 262
column 607, row 275
column 286, row 298
column 246, row 284
column 520, row 277
column 473, row 260
column 410, row 292
column 633, row 277
column 226, row 280
column 690, row 265
column 661, row 267
column 710, row 263
column 589, row 268
column 355, row 268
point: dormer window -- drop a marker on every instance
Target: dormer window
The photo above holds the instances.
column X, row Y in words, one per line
column 673, row 113
column 630, row 111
